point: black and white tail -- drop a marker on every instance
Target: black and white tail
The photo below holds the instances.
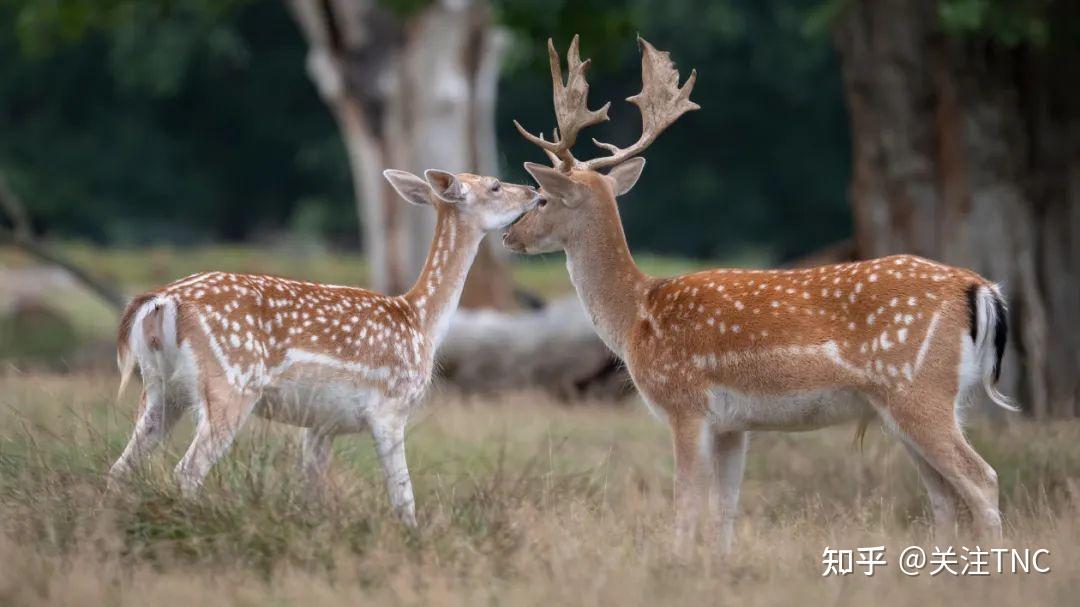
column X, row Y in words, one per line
column 990, row 331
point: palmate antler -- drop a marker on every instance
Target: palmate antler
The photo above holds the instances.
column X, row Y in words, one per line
column 571, row 106
column 661, row 102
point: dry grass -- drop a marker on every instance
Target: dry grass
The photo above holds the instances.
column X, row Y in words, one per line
column 521, row 501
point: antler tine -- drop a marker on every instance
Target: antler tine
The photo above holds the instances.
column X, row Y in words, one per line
column 572, row 112
column 552, row 147
column 552, row 156
column 607, row 146
column 661, row 102
column 571, row 101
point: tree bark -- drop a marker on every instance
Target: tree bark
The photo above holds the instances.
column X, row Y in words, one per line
column 410, row 95
column 969, row 152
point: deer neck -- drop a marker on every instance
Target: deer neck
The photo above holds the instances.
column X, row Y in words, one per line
column 437, row 290
column 608, row 282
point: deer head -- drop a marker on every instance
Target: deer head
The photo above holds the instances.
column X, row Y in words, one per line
column 574, row 194
column 486, row 202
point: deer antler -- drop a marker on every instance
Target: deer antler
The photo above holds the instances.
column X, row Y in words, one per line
column 661, row 102
column 571, row 106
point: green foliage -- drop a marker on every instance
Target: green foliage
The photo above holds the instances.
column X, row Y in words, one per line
column 1008, row 22
column 763, row 164
column 133, row 121
column 178, row 121
column 44, row 25
column 604, row 26
column 820, row 19
column 404, row 9
column 151, row 45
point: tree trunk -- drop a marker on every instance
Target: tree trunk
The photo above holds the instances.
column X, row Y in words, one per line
column 410, row 95
column 969, row 152
column 421, row 95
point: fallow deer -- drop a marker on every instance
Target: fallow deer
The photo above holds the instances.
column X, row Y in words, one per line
column 723, row 352
column 333, row 359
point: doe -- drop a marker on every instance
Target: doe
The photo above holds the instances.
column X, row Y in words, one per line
column 333, row 359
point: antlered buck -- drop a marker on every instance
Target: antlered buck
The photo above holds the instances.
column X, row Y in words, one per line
column 722, row 352
column 333, row 359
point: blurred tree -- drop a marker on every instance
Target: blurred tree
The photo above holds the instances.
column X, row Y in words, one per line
column 181, row 120
column 135, row 122
column 412, row 86
column 966, row 136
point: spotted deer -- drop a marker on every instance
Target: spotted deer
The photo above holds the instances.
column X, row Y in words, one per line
column 722, row 352
column 333, row 359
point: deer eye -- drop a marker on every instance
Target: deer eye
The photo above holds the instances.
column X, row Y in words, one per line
column 542, row 203
column 496, row 187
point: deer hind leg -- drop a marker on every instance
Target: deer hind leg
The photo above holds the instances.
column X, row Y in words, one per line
column 976, row 482
column 729, row 461
column 389, row 435
column 938, row 438
column 158, row 414
column 944, row 501
column 223, row 412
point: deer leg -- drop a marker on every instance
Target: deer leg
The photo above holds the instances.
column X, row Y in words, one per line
column 944, row 501
column 691, row 438
column 224, row 411
column 729, row 461
column 941, row 443
column 975, row 481
column 317, row 451
column 389, row 434
column 157, row 418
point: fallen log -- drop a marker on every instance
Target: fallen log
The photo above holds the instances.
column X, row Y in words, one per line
column 553, row 348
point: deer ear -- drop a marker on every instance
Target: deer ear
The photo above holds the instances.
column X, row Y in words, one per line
column 557, row 185
column 445, row 185
column 409, row 186
column 625, row 175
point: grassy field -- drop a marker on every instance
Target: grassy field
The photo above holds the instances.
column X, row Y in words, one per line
column 521, row 501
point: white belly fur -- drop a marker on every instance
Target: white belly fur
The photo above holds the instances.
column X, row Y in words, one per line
column 795, row 411
column 342, row 405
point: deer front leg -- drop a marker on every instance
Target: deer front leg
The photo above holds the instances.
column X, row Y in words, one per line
column 691, row 476
column 389, row 435
column 729, row 461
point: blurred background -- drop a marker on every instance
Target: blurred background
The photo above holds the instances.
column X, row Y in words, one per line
column 141, row 141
